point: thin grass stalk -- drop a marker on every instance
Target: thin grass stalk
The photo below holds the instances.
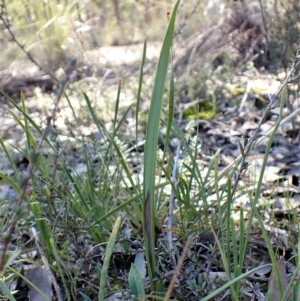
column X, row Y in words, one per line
column 171, row 107
column 27, row 133
column 9, row 181
column 293, row 285
column 242, row 242
column 226, row 263
column 138, row 98
column 235, row 251
column 77, row 188
column 258, row 190
column 216, row 171
column 62, row 272
column 43, row 226
column 108, row 152
column 126, row 203
column 171, row 204
column 111, row 139
column 24, row 114
column 174, row 171
column 117, row 105
column 86, row 208
column 230, row 239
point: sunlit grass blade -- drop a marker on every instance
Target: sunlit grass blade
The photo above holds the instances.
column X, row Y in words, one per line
column 108, row 254
column 43, row 227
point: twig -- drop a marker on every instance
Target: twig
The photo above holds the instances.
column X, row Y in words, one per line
column 178, row 268
column 186, row 17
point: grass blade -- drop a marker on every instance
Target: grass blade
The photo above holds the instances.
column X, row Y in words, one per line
column 6, row 291
column 109, row 251
column 138, row 99
column 152, row 139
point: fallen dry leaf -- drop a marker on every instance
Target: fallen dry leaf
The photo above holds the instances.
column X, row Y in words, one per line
column 42, row 279
column 273, row 284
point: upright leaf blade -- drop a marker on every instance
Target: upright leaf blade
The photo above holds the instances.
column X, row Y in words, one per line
column 152, row 139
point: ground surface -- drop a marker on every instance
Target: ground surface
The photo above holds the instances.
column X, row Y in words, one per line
column 232, row 123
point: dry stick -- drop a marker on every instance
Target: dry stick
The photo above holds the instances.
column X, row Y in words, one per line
column 46, row 263
column 178, row 268
column 172, row 200
column 31, row 166
column 186, row 17
column 254, row 139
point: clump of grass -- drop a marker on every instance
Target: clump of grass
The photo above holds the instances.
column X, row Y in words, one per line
column 84, row 216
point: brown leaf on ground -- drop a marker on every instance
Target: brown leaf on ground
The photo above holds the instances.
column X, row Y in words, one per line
column 274, row 286
column 42, row 279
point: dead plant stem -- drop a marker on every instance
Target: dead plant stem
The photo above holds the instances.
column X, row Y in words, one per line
column 30, row 169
